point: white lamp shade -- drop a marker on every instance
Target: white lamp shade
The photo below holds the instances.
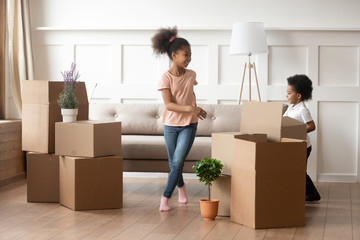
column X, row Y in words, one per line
column 248, row 38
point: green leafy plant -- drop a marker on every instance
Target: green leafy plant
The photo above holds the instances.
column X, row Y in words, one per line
column 67, row 99
column 208, row 170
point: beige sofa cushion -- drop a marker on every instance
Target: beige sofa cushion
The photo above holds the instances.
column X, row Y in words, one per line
column 146, row 119
column 135, row 118
column 220, row 118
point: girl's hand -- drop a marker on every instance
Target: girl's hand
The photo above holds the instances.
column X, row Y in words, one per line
column 201, row 113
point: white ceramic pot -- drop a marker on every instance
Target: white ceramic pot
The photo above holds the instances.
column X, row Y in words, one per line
column 69, row 115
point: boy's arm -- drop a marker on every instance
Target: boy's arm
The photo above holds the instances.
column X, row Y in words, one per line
column 310, row 126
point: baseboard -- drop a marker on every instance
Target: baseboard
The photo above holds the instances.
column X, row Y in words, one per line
column 156, row 175
column 335, row 177
column 8, row 180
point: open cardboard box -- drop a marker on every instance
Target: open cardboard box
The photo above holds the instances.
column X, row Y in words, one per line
column 268, row 183
column 261, row 121
column 40, row 111
column 267, row 118
column 257, row 121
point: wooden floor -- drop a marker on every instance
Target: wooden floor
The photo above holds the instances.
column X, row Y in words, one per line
column 336, row 216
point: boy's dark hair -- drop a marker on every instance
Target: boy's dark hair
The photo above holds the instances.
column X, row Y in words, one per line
column 166, row 41
column 302, row 85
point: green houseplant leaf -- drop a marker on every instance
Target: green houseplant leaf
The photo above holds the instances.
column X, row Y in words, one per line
column 208, row 170
column 67, row 99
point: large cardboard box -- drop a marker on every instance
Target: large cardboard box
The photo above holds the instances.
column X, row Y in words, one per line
column 222, row 146
column 268, row 183
column 42, row 177
column 88, row 139
column 40, row 111
column 91, row 183
column 266, row 117
column 221, row 189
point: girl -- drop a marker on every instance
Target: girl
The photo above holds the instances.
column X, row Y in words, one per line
column 181, row 114
column 299, row 89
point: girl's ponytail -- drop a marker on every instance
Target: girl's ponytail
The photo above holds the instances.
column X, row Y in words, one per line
column 166, row 41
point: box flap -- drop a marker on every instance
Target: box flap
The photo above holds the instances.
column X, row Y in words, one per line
column 262, row 117
column 226, row 133
column 47, row 92
column 288, row 121
column 38, row 92
column 291, row 140
column 292, row 128
column 258, row 138
column 81, row 93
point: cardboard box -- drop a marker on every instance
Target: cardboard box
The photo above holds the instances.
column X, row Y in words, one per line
column 266, row 117
column 42, row 177
column 91, row 183
column 268, row 183
column 221, row 189
column 40, row 111
column 222, row 146
column 88, row 139
column 12, row 158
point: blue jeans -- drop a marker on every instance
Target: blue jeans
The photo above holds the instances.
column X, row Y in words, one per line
column 178, row 144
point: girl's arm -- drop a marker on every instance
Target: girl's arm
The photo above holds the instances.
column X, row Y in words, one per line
column 310, row 126
column 171, row 106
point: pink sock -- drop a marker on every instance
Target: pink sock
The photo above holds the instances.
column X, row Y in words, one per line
column 182, row 195
column 164, row 204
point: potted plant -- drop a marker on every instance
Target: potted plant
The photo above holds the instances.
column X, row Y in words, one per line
column 208, row 170
column 67, row 99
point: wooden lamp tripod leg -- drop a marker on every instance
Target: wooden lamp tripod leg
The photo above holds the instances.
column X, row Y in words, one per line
column 242, row 84
column 257, row 83
column 250, row 66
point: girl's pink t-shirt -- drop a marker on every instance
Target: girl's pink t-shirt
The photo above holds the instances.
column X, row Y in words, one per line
column 182, row 91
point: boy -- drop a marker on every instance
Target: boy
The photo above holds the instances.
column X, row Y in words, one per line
column 299, row 89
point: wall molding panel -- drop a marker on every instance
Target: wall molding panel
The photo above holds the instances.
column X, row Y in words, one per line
column 121, row 62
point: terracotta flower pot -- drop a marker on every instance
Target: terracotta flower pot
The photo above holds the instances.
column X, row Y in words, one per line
column 209, row 209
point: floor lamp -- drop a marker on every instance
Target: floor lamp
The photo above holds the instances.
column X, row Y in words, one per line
column 248, row 38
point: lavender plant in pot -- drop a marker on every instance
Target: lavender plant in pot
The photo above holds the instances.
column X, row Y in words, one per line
column 208, row 170
column 67, row 99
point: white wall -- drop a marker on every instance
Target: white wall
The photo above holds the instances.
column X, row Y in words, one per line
column 201, row 14
column 110, row 42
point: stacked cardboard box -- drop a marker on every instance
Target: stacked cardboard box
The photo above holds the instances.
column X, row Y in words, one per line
column 40, row 111
column 86, row 170
column 88, row 138
column 42, row 177
column 90, row 164
column 91, row 183
column 267, row 182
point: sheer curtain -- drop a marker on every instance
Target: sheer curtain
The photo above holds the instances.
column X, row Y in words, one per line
column 20, row 51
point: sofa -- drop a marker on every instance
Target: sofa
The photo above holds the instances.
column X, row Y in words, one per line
column 143, row 144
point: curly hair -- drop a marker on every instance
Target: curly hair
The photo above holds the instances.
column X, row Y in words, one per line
column 163, row 43
column 302, row 85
